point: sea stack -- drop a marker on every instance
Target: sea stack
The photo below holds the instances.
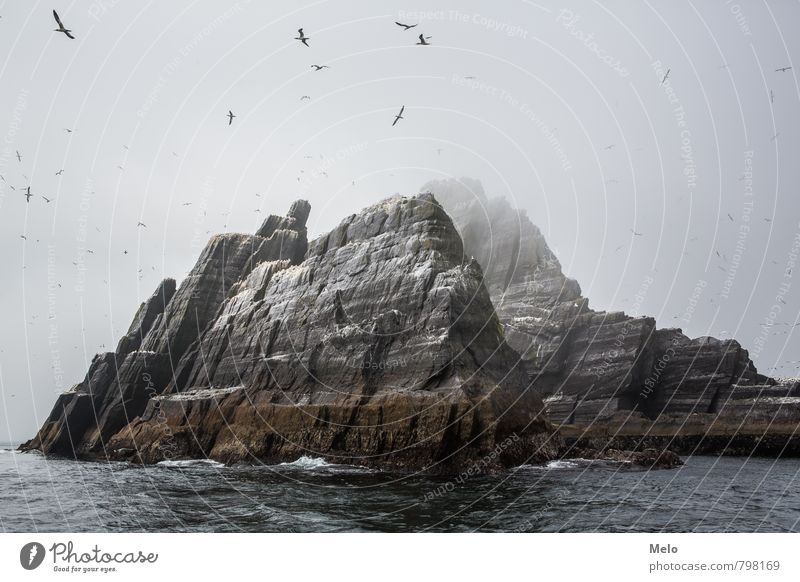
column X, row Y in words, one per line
column 375, row 344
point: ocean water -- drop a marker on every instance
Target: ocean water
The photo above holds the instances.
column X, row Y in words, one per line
column 707, row 494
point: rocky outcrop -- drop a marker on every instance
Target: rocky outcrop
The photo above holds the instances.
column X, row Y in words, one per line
column 593, row 365
column 376, row 344
column 119, row 384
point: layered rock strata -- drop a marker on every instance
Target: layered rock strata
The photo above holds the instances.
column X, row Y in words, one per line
column 595, row 365
column 375, row 344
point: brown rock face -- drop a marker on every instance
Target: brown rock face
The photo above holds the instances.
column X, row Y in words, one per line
column 377, row 344
column 592, row 364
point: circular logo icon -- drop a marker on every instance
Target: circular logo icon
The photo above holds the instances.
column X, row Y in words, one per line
column 31, row 555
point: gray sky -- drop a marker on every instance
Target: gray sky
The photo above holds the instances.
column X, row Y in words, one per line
column 561, row 111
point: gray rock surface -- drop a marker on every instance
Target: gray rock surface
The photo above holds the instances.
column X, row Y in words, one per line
column 590, row 364
column 377, row 345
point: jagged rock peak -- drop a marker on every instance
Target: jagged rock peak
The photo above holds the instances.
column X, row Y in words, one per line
column 295, row 220
column 379, row 346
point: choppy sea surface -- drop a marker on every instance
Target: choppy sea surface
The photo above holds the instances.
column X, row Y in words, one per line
column 707, row 494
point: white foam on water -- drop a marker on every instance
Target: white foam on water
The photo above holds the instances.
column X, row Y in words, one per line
column 562, row 465
column 191, row 463
column 307, row 463
column 558, row 464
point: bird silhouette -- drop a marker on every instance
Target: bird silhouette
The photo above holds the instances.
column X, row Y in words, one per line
column 47, row 200
column 635, row 233
column 423, row 40
column 230, row 117
column 302, row 37
column 138, row 224
column 320, row 67
column 28, row 194
column 61, row 28
column 59, row 172
column 665, row 76
column 405, row 26
column 783, row 69
column 399, row 116
column 19, row 157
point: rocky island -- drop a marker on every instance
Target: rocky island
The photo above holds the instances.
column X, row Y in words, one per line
column 426, row 333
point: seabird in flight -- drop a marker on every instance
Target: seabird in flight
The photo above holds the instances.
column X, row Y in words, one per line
column 635, row 233
column 61, row 28
column 230, row 117
column 320, row 67
column 47, row 200
column 60, row 172
column 138, row 224
column 783, row 69
column 405, row 26
column 19, row 157
column 28, row 194
column 423, row 40
column 399, row 116
column 302, row 37
column 665, row 76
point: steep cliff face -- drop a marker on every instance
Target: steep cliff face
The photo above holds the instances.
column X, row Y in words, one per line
column 379, row 347
column 594, row 365
column 119, row 384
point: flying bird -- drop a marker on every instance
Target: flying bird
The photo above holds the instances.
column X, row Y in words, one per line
column 28, row 194
column 230, row 117
column 320, row 67
column 635, row 233
column 665, row 76
column 399, row 116
column 61, row 28
column 68, row 130
column 304, row 97
column 610, row 147
column 19, row 157
column 47, row 200
column 60, row 172
column 186, row 204
column 405, row 26
column 302, row 37
column 731, row 217
column 783, row 69
column 423, row 40
column 138, row 224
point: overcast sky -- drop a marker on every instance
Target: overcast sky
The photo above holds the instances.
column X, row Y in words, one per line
column 562, row 111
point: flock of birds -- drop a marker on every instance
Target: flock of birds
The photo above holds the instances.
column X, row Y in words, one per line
column 422, row 40
column 301, row 37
